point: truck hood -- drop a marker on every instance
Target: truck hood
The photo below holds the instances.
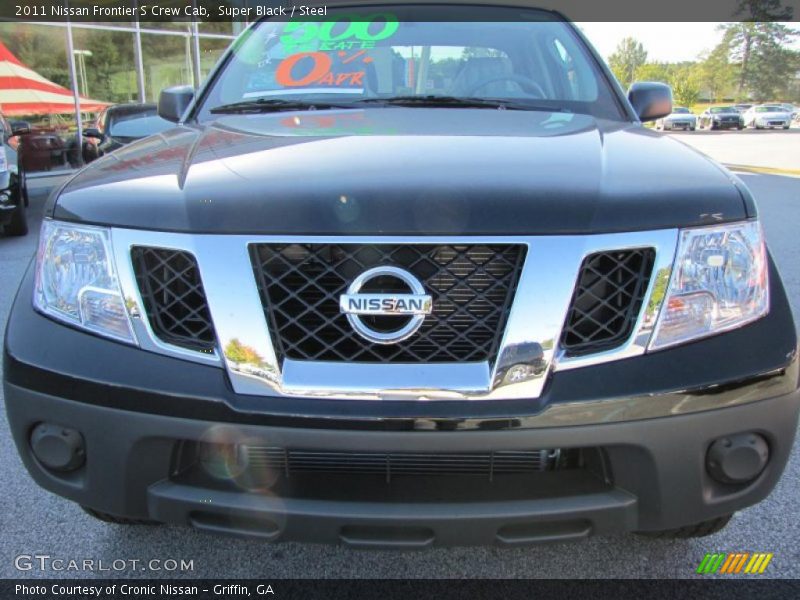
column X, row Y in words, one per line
column 403, row 171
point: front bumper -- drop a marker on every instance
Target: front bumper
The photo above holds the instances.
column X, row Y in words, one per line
column 776, row 122
column 139, row 413
column 728, row 124
column 683, row 124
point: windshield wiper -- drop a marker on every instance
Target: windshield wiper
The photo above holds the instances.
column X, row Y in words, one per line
column 429, row 101
column 432, row 101
column 274, row 105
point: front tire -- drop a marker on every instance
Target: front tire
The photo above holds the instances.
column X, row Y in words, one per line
column 23, row 187
column 18, row 226
column 116, row 520
column 697, row 530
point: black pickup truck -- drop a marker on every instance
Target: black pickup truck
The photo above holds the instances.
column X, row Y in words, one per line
column 399, row 280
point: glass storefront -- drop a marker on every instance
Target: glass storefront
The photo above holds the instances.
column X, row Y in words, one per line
column 168, row 61
column 113, row 63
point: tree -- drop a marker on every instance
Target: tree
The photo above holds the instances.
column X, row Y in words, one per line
column 759, row 44
column 685, row 82
column 763, row 10
column 629, row 56
column 38, row 48
column 654, row 71
column 716, row 72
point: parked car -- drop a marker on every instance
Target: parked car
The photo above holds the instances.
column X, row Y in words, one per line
column 497, row 310
column 21, row 127
column 742, row 108
column 721, row 117
column 792, row 110
column 680, row 118
column 767, row 116
column 122, row 124
column 41, row 149
column 13, row 205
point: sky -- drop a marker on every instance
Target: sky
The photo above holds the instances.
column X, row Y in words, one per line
column 664, row 42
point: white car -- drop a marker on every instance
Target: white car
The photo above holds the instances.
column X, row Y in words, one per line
column 680, row 118
column 767, row 115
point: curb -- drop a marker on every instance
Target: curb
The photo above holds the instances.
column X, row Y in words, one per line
column 764, row 170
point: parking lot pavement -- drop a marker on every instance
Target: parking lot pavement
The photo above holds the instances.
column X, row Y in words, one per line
column 33, row 521
column 768, row 148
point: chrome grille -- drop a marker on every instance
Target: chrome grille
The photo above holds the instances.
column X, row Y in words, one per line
column 472, row 288
column 173, row 296
column 607, row 300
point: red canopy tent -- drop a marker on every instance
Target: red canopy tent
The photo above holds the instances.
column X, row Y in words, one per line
column 24, row 92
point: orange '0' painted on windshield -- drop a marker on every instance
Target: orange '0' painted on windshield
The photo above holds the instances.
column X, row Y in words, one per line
column 322, row 66
column 322, row 72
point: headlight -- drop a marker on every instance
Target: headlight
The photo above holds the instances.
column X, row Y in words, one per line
column 719, row 282
column 76, row 281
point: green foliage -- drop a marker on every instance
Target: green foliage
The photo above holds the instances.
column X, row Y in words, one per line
column 685, row 82
column 654, row 71
column 659, row 291
column 765, row 64
column 716, row 72
column 112, row 53
column 40, row 48
column 240, row 353
column 626, row 60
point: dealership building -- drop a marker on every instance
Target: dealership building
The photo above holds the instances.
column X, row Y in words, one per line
column 57, row 76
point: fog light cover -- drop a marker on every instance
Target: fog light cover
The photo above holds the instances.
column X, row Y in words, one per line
column 76, row 281
column 719, row 282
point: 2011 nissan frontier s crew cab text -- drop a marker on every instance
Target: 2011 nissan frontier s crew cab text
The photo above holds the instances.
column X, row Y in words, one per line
column 397, row 280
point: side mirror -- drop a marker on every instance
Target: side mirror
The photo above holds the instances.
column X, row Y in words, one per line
column 92, row 132
column 650, row 100
column 173, row 102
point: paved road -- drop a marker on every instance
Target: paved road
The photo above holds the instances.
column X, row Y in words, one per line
column 771, row 148
column 33, row 521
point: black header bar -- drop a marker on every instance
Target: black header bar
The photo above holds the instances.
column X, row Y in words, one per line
column 127, row 11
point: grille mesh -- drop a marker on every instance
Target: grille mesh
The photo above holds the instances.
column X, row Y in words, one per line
column 607, row 300
column 487, row 464
column 173, row 297
column 471, row 285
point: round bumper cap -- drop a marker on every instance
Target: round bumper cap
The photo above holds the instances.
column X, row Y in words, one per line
column 58, row 448
column 737, row 458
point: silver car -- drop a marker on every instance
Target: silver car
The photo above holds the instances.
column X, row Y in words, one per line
column 767, row 116
column 680, row 118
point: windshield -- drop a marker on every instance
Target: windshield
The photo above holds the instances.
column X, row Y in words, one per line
column 681, row 111
column 722, row 109
column 137, row 125
column 764, row 109
column 534, row 62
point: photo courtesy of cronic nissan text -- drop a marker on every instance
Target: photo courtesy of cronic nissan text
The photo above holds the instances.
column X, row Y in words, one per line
column 388, row 298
